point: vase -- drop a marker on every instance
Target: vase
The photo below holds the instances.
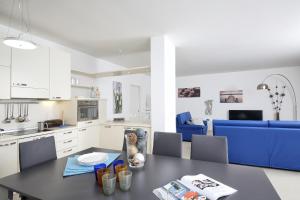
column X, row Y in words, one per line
column 136, row 146
column 277, row 116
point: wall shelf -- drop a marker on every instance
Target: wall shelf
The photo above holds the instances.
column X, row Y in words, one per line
column 82, row 86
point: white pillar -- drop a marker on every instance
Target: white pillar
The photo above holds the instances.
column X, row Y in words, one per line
column 163, row 86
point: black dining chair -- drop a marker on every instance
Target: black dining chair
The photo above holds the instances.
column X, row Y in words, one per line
column 167, row 144
column 209, row 148
column 36, row 152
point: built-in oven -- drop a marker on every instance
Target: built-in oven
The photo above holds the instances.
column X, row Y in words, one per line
column 87, row 110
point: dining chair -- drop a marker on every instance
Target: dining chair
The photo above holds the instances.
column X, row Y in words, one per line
column 36, row 152
column 167, row 144
column 209, row 148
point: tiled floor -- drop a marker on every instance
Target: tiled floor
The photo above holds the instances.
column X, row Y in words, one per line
column 286, row 183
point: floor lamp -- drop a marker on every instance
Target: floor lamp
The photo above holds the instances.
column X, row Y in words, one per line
column 264, row 86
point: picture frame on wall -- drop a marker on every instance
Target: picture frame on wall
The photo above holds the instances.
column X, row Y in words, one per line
column 189, row 92
column 231, row 96
column 117, row 97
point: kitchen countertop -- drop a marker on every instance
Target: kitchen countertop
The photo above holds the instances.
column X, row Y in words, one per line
column 127, row 123
column 14, row 135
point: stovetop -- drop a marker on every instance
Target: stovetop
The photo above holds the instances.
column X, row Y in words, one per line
column 26, row 132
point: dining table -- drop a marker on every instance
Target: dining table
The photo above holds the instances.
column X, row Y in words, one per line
column 46, row 181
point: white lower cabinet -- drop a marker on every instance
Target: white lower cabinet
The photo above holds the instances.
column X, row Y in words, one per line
column 88, row 137
column 9, row 158
column 111, row 137
column 4, row 82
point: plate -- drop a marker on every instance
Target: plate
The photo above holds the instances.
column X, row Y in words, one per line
column 91, row 159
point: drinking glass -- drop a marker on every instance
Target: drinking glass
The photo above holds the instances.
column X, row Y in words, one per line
column 109, row 183
column 125, row 180
column 120, row 168
column 97, row 167
column 116, row 163
column 100, row 173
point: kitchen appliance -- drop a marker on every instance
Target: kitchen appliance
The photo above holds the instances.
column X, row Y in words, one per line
column 41, row 126
column 87, row 110
column 53, row 123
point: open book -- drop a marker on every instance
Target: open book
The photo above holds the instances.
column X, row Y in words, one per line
column 189, row 187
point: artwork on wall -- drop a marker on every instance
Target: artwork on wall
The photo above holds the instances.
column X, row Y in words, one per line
column 117, row 97
column 189, row 92
column 231, row 96
column 208, row 107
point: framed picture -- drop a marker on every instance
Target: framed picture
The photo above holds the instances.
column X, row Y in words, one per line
column 189, row 92
column 231, row 96
column 117, row 97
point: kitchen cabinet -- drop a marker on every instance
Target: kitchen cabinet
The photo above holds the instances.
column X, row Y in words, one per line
column 4, row 82
column 60, row 75
column 88, row 137
column 9, row 158
column 30, row 73
column 5, row 55
column 111, row 137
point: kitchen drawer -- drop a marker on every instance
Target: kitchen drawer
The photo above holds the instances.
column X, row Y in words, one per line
column 66, row 152
column 65, row 134
column 88, row 123
column 66, row 144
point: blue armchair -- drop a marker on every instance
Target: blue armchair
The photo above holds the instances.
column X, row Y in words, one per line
column 187, row 129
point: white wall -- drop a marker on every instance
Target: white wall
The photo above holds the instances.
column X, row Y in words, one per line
column 212, row 84
column 105, row 85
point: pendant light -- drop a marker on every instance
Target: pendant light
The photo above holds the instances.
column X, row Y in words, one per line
column 19, row 41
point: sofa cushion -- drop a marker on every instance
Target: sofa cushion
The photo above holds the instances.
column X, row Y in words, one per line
column 245, row 123
column 284, row 124
column 182, row 118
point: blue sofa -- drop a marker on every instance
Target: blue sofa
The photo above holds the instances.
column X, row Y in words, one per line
column 274, row 144
column 188, row 130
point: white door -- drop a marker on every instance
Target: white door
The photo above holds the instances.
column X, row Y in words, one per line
column 89, row 137
column 4, row 82
column 60, row 75
column 9, row 158
column 111, row 137
column 5, row 55
column 135, row 100
column 30, row 73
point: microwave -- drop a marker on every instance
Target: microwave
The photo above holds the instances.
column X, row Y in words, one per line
column 87, row 110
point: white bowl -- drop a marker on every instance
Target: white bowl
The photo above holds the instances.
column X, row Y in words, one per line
column 91, row 159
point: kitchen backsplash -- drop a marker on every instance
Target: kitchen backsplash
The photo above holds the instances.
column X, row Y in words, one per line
column 37, row 112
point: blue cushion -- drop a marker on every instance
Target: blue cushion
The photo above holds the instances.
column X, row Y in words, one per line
column 243, row 123
column 183, row 117
column 284, row 124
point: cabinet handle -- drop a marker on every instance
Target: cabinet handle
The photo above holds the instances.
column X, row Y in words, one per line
column 107, row 126
column 23, row 84
column 84, row 129
column 68, row 151
column 69, row 141
column 56, row 97
column 4, row 145
column 13, row 143
column 67, row 132
column 89, row 122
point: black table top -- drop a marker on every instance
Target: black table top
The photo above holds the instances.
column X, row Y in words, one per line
column 46, row 181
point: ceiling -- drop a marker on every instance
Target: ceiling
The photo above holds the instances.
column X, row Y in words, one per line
column 211, row 36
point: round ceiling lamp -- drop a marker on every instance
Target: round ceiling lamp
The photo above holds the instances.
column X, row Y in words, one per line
column 19, row 41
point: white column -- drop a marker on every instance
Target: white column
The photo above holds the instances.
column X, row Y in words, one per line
column 163, row 86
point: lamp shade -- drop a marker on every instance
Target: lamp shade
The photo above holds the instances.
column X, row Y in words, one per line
column 262, row 86
column 18, row 43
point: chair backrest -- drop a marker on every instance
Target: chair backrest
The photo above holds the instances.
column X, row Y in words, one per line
column 36, row 152
column 183, row 117
column 167, row 144
column 209, row 148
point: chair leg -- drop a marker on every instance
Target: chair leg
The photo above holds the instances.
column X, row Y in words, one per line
column 10, row 195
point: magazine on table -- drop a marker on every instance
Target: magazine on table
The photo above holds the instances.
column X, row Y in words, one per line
column 193, row 187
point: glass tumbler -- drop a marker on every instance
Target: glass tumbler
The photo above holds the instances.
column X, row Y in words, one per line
column 120, row 168
column 100, row 173
column 109, row 183
column 125, row 180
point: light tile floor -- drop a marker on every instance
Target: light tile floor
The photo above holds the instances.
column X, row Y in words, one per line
column 286, row 183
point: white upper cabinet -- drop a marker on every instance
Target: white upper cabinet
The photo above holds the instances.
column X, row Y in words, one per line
column 5, row 55
column 30, row 73
column 60, row 75
column 5, row 62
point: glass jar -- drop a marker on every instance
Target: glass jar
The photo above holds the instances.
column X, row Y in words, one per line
column 136, row 146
